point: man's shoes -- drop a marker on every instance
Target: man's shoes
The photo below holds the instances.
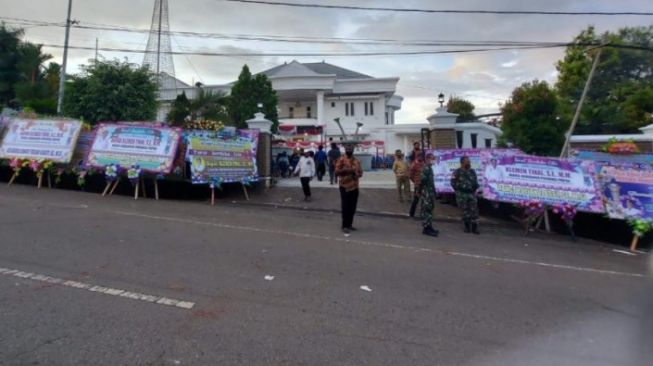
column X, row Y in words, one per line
column 430, row 231
column 475, row 228
column 351, row 228
column 467, row 226
column 345, row 230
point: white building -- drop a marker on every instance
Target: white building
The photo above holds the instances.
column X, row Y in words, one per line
column 312, row 95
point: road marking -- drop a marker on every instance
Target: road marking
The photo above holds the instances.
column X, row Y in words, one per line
column 100, row 289
column 382, row 244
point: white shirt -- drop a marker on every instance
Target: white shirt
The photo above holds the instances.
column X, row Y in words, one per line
column 305, row 167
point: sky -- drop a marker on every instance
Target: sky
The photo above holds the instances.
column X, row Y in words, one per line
column 486, row 79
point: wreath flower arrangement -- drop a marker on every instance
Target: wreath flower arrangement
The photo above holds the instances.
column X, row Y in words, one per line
column 614, row 146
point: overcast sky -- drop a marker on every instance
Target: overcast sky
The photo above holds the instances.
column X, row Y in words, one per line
column 484, row 78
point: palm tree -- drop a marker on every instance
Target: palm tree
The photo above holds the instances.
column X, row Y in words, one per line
column 30, row 61
column 51, row 75
column 209, row 105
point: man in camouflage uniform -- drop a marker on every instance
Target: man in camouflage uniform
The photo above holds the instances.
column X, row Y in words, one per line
column 465, row 184
column 427, row 194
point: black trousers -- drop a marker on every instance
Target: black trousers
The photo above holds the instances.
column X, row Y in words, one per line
column 321, row 169
column 413, row 205
column 305, row 186
column 349, row 201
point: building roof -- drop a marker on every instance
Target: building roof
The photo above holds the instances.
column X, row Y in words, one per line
column 606, row 138
column 296, row 68
column 171, row 82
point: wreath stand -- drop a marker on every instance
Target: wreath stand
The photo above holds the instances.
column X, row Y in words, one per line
column 634, row 243
column 212, row 187
column 139, row 186
column 39, row 183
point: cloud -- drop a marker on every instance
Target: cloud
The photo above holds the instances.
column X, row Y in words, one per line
column 484, row 78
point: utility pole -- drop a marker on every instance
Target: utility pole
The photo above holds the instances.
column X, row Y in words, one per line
column 96, row 49
column 565, row 147
column 62, row 76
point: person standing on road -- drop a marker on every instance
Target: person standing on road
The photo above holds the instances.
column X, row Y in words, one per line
column 401, row 170
column 320, row 162
column 416, row 177
column 427, row 193
column 465, row 184
column 348, row 169
column 306, row 170
column 333, row 156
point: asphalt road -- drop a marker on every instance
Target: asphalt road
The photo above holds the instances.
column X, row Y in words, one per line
column 87, row 280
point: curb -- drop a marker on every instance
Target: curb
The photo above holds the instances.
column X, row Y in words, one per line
column 326, row 210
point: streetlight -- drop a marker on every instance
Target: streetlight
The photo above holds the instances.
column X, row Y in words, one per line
column 441, row 99
column 359, row 125
column 259, row 105
column 342, row 130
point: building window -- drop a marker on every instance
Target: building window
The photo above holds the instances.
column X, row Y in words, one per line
column 387, row 121
column 366, row 111
column 333, row 104
column 308, row 112
column 371, row 108
column 488, row 143
column 459, row 139
column 474, row 136
column 349, row 109
column 291, row 112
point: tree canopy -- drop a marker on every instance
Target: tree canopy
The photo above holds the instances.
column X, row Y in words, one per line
column 207, row 105
column 620, row 99
column 24, row 78
column 112, row 91
column 464, row 108
column 531, row 121
column 246, row 93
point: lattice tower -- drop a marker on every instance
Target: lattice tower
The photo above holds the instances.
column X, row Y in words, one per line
column 158, row 54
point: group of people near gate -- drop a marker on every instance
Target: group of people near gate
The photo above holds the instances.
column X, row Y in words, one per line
column 419, row 170
column 346, row 171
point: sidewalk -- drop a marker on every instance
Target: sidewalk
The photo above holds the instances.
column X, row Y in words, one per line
column 378, row 196
column 384, row 179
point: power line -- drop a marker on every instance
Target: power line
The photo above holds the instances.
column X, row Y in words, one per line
column 437, row 11
column 347, row 54
column 315, row 54
column 319, row 40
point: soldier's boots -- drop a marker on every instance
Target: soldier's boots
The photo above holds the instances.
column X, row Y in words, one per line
column 468, row 226
column 430, row 231
column 475, row 228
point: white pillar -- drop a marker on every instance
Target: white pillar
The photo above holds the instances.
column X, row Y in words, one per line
column 320, row 107
column 405, row 146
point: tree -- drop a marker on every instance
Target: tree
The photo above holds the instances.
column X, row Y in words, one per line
column 246, row 93
column 462, row 107
column 31, row 61
column 34, row 90
column 179, row 110
column 112, row 91
column 619, row 98
column 531, row 121
column 207, row 106
column 9, row 74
